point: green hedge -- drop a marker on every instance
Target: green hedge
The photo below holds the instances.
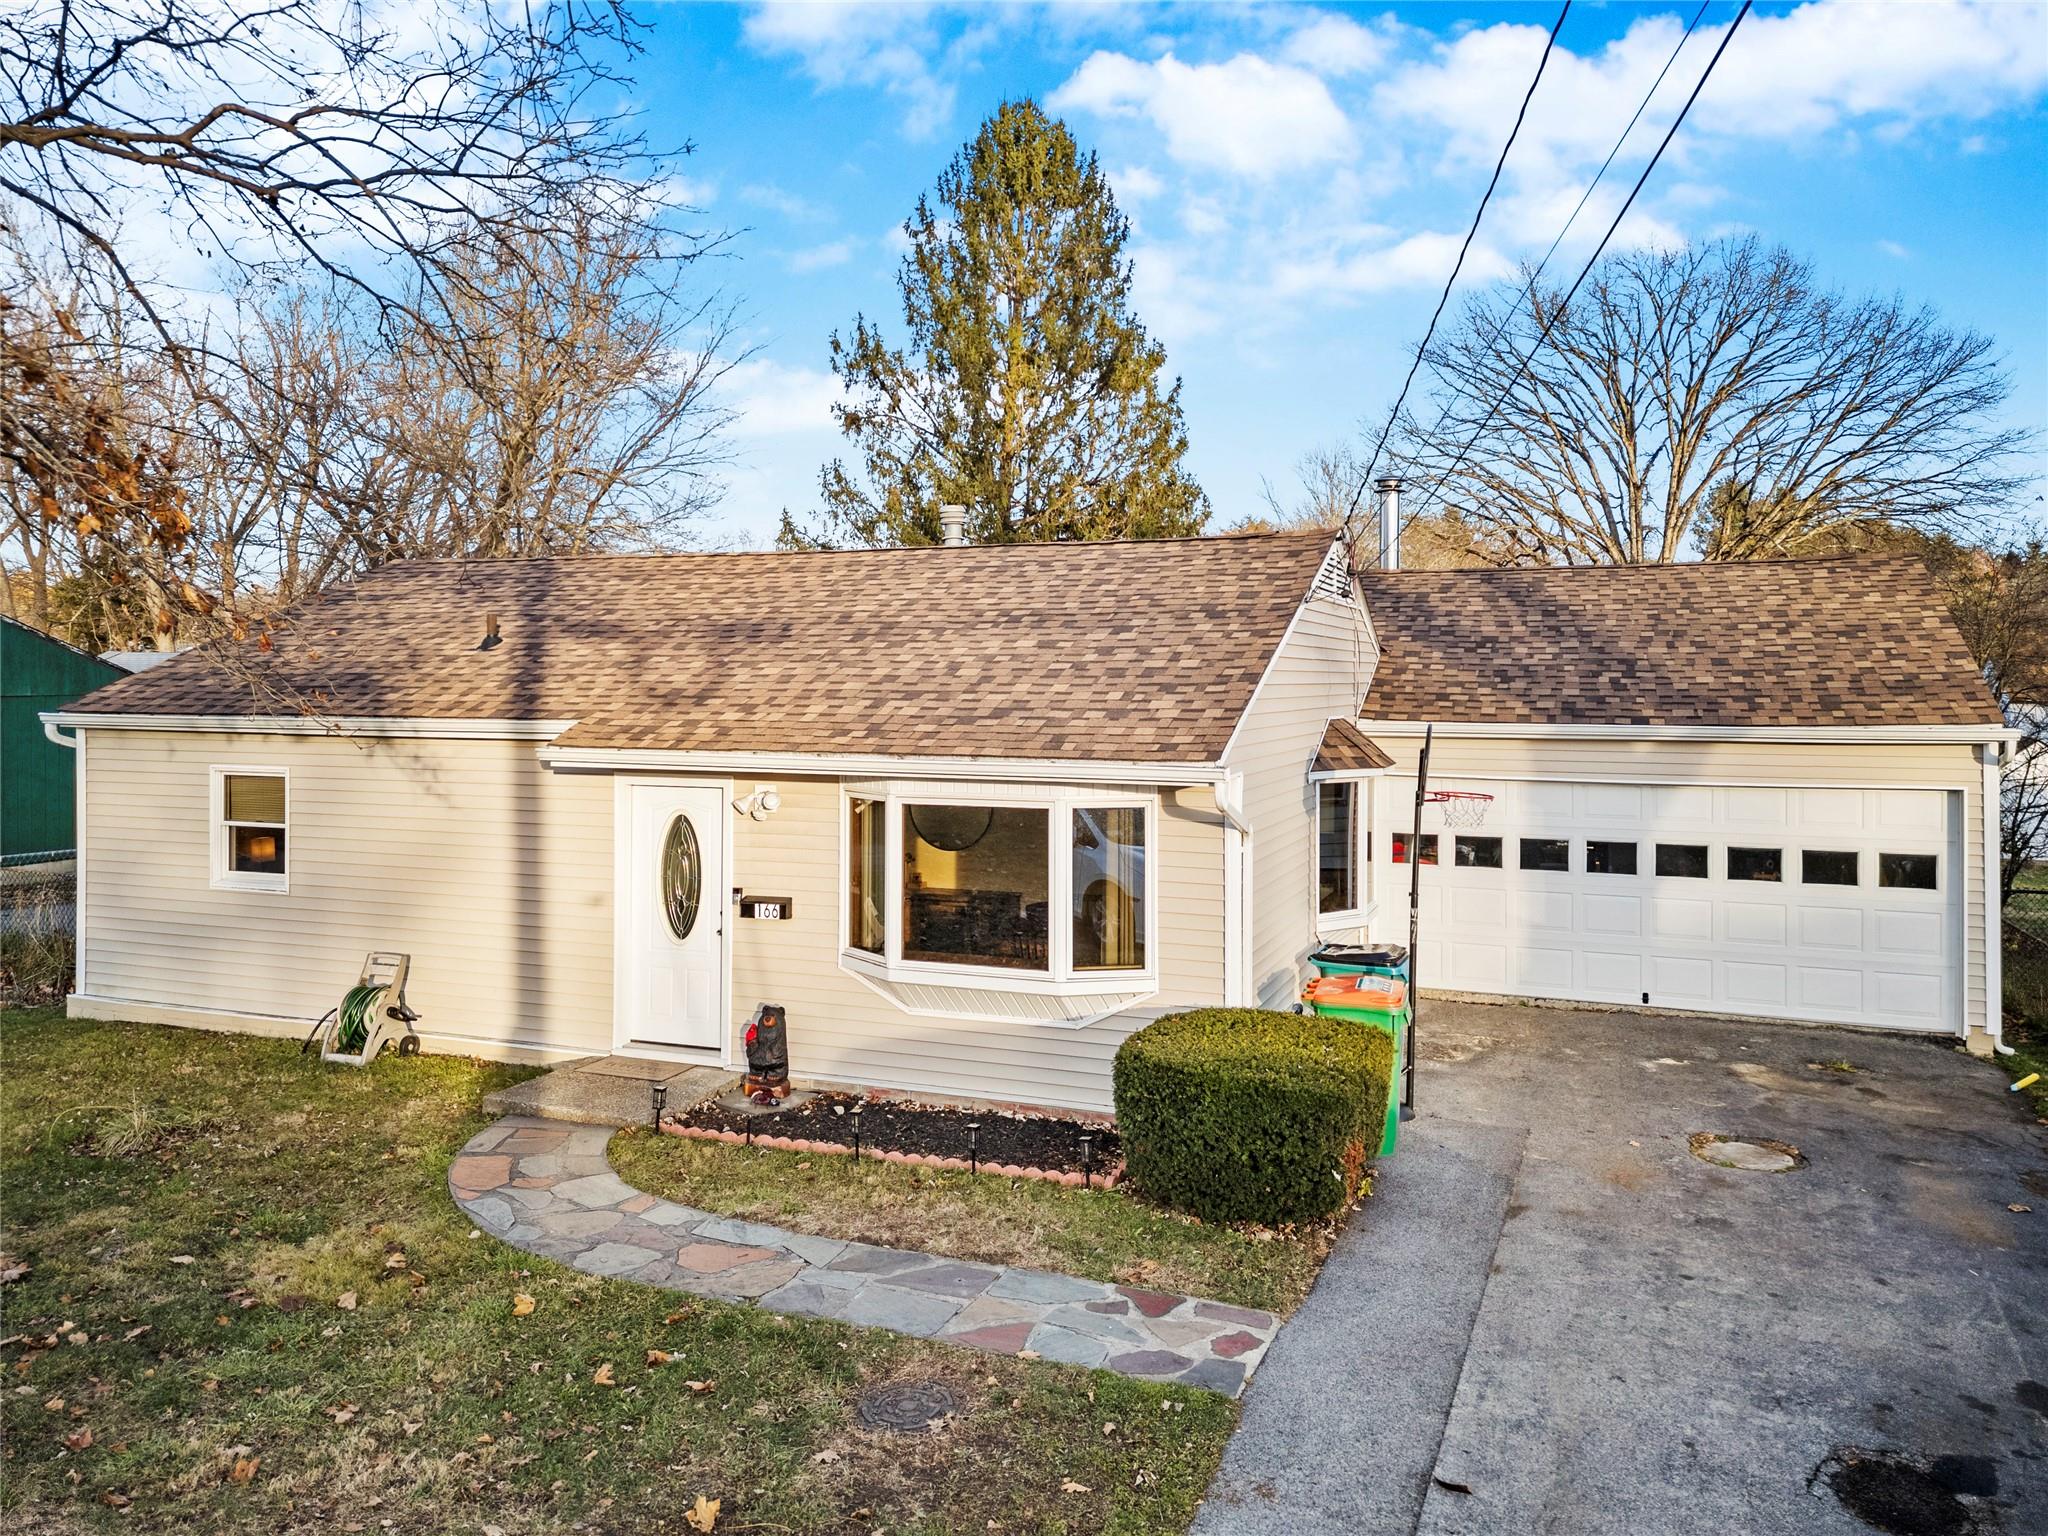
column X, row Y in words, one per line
column 1234, row 1114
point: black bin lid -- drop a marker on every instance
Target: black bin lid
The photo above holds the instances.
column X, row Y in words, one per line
column 1389, row 955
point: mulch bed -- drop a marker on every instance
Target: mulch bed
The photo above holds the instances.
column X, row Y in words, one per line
column 1026, row 1146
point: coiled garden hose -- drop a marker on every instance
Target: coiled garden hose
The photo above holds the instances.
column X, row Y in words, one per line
column 352, row 1028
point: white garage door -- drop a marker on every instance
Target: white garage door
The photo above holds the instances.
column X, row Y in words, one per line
column 1838, row 905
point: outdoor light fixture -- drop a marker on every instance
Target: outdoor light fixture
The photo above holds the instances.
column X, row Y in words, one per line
column 1087, row 1156
column 761, row 804
column 660, row 1102
column 856, row 1130
column 974, row 1146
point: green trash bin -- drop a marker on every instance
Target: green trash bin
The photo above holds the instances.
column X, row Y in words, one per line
column 1379, row 1002
column 1361, row 960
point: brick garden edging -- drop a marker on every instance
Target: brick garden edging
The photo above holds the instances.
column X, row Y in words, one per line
column 1107, row 1178
column 548, row 1188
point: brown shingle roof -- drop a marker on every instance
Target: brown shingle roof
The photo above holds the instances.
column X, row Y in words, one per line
column 1854, row 641
column 1138, row 652
column 1346, row 748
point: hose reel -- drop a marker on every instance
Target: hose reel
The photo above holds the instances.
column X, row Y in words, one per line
column 353, row 1033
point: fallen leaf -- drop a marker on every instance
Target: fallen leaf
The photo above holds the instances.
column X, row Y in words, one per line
column 342, row 1414
column 12, row 1269
column 1109, row 1428
column 701, row 1387
column 79, row 1337
column 394, row 1261
column 346, row 1301
column 183, row 1258
column 79, row 1439
column 674, row 1317
column 2020, row 1210
column 53, row 1405
column 134, row 1333
column 522, row 1305
column 703, row 1514
column 115, row 1500
column 1027, row 1354
column 243, row 1469
column 1070, row 1486
column 658, row 1357
column 603, row 1375
column 825, row 1458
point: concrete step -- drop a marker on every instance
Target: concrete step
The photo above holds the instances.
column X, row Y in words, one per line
column 608, row 1090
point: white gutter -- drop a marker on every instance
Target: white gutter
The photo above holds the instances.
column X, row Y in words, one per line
column 49, row 719
column 320, row 725
column 1926, row 735
column 873, row 765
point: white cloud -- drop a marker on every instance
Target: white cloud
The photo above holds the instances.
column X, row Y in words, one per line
column 1247, row 115
column 1135, row 184
column 1347, row 265
column 1337, row 46
column 834, row 253
column 889, row 46
column 771, row 399
column 1893, row 249
column 766, row 194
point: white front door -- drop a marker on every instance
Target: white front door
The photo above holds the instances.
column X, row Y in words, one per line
column 672, row 914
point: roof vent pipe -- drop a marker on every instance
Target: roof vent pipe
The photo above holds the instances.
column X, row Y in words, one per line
column 1390, row 522
column 952, row 525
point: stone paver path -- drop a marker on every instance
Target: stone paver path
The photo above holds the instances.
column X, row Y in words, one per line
column 548, row 1188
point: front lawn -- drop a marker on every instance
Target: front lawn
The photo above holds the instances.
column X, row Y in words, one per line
column 1101, row 1234
column 250, row 1305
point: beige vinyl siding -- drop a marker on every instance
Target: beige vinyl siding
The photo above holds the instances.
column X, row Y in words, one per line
column 844, row 1030
column 1320, row 671
column 494, row 874
column 1815, row 764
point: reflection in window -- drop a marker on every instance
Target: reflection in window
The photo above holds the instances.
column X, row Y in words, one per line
column 1756, row 864
column 976, row 885
column 1336, row 842
column 866, row 853
column 1401, row 848
column 1552, row 853
column 1683, row 861
column 1821, row 866
column 1476, row 852
column 1604, row 858
column 1109, row 889
column 1907, row 871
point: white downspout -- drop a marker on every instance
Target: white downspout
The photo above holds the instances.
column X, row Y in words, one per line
column 56, row 733
column 1994, row 929
column 1237, row 865
column 75, row 742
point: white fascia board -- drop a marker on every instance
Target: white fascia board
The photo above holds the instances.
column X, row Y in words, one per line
column 318, row 725
column 833, row 764
column 1960, row 735
column 1344, row 775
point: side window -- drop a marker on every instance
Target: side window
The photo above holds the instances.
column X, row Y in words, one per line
column 1336, row 848
column 1682, row 861
column 249, row 815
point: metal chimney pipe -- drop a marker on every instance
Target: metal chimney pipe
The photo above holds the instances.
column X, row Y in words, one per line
column 1390, row 522
column 952, row 525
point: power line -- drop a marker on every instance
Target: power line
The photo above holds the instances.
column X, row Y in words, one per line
column 1571, row 293
column 1470, row 234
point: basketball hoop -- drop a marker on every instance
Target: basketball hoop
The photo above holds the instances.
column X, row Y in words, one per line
column 1461, row 807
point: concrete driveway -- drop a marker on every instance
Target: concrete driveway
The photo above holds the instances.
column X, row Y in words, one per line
column 1553, row 1317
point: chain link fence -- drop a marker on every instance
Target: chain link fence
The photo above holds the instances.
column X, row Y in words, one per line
column 2026, row 957
column 38, row 942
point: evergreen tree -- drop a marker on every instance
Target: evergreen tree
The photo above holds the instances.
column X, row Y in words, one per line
column 1028, row 392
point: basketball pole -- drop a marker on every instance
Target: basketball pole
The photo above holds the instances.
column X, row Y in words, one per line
column 1414, row 925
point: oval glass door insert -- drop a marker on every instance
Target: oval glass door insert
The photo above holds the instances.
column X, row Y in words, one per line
column 682, row 876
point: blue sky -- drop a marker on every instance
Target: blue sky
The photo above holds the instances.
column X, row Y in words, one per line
column 1298, row 178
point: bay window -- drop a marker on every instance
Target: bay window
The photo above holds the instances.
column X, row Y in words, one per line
column 1343, row 854
column 986, row 886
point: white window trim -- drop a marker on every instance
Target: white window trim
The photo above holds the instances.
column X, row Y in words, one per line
column 221, row 876
column 1360, row 916
column 1060, row 979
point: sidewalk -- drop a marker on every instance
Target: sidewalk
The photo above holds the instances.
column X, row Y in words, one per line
column 548, row 1188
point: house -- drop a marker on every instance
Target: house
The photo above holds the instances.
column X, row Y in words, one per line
column 972, row 814
column 38, row 672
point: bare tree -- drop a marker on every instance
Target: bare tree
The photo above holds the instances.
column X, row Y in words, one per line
column 1713, row 400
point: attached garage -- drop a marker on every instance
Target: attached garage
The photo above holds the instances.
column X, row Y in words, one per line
column 1834, row 904
column 1756, row 790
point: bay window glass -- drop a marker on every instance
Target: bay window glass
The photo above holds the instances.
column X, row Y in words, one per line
column 1109, row 888
column 977, row 885
column 866, row 869
column 1337, row 848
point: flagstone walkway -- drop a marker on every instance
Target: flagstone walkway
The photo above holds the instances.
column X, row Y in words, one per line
column 548, row 1188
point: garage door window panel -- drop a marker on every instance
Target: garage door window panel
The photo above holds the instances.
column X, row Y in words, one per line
column 1909, row 871
column 1606, row 858
column 1682, row 861
column 1766, row 864
column 1401, row 840
column 1823, row 866
column 1477, row 852
column 1547, row 853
